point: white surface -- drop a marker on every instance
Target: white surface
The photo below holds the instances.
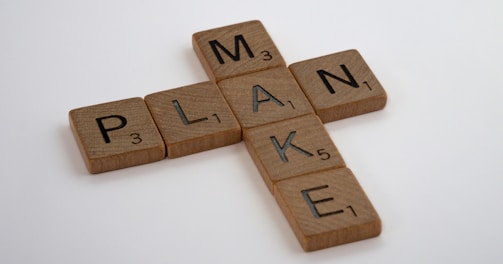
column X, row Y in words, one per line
column 430, row 161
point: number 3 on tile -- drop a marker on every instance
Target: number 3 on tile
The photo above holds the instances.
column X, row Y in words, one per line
column 136, row 138
column 267, row 55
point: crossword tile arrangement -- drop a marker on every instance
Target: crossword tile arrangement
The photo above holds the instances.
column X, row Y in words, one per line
column 277, row 110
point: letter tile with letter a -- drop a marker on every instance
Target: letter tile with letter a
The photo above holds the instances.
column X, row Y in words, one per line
column 193, row 118
column 264, row 97
column 116, row 135
column 339, row 85
column 327, row 208
column 291, row 148
column 236, row 50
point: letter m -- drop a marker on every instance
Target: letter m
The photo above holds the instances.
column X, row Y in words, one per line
column 239, row 39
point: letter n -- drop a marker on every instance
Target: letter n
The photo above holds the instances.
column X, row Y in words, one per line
column 239, row 39
column 350, row 79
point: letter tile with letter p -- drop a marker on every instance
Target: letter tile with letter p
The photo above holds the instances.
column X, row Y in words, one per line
column 116, row 135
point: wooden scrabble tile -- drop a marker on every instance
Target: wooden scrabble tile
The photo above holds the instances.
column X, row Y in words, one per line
column 193, row 118
column 339, row 85
column 264, row 97
column 116, row 135
column 327, row 208
column 236, row 50
column 291, row 148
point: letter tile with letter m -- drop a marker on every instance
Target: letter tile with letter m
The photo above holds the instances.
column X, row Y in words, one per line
column 116, row 135
column 236, row 50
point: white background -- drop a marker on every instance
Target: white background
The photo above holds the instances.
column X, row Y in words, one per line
column 430, row 161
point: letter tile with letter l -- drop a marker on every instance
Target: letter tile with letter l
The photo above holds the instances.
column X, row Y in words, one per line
column 327, row 208
column 236, row 50
column 193, row 119
column 339, row 85
column 291, row 148
column 116, row 135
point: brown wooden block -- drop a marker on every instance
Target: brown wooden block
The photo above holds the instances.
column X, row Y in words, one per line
column 193, row 118
column 339, row 85
column 235, row 50
column 116, row 135
column 291, row 148
column 327, row 208
column 264, row 97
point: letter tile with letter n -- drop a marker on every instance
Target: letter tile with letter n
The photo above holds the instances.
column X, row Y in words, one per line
column 339, row 85
column 236, row 50
column 291, row 148
column 264, row 97
column 193, row 118
column 116, row 135
column 327, row 208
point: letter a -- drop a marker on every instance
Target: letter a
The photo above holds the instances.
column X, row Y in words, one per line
column 270, row 97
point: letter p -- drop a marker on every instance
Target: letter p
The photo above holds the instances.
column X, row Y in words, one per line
column 104, row 130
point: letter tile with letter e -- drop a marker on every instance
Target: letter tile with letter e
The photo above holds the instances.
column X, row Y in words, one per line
column 291, row 148
column 264, row 97
column 339, row 85
column 327, row 209
column 236, row 50
column 116, row 135
column 193, row 118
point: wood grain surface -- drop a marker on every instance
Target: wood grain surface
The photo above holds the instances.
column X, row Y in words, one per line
column 116, row 135
column 327, row 208
column 291, row 148
column 193, row 118
column 236, row 50
column 265, row 97
column 339, row 85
